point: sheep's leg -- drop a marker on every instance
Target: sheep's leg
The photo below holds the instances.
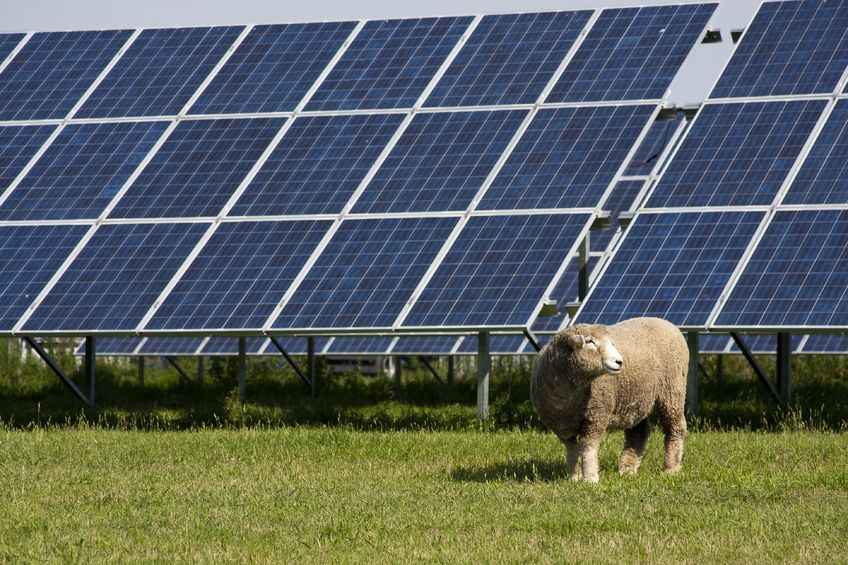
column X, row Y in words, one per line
column 589, row 457
column 674, row 427
column 635, row 440
column 572, row 459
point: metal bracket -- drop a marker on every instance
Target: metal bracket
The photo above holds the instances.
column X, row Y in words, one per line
column 291, row 362
column 48, row 360
column 532, row 340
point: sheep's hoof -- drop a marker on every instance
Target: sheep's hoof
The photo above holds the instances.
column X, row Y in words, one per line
column 575, row 476
column 672, row 470
column 593, row 479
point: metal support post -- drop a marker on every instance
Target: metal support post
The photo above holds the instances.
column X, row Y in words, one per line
column 484, row 370
column 784, row 367
column 312, row 363
column 90, row 367
column 201, row 370
column 242, row 368
column 761, row 375
column 693, row 399
column 583, row 280
column 720, row 369
column 432, row 369
column 290, row 361
column 451, row 370
column 57, row 370
column 141, row 370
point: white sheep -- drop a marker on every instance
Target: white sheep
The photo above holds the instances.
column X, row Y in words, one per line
column 590, row 378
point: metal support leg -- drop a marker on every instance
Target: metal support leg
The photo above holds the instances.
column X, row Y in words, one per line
column 761, row 375
column 312, row 362
column 720, row 369
column 242, row 368
column 484, row 370
column 290, row 361
column 58, row 371
column 451, row 370
column 784, row 367
column 201, row 370
column 693, row 399
column 432, row 369
column 90, row 367
column 583, row 280
column 141, row 370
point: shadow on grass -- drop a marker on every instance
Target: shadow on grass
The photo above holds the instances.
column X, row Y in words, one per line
column 532, row 470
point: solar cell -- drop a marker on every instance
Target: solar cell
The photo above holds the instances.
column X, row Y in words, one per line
column 789, row 48
column 673, row 266
column 621, row 199
column 565, row 292
column 240, row 275
column 111, row 346
column 499, row 344
column 198, row 168
column 18, row 144
column 229, row 345
column 567, row 158
column 389, row 64
column 53, row 70
column 764, row 344
column 509, row 59
column 160, row 72
column 318, row 165
column 737, row 154
column 651, row 149
column 712, row 344
column 822, row 178
column 29, row 256
column 364, row 344
column 366, row 274
column 116, row 277
column 632, row 53
column 440, row 162
column 826, row 343
column 273, row 68
column 425, row 344
column 169, row 345
column 296, row 345
column 8, row 42
column 81, row 171
column 497, row 270
column 797, row 274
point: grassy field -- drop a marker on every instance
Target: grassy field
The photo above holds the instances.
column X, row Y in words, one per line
column 335, row 495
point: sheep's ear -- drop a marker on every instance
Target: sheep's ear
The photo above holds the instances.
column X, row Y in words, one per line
column 575, row 341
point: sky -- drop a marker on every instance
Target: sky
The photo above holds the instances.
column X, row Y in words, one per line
column 695, row 80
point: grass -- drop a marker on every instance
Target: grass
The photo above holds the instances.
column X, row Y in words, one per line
column 341, row 495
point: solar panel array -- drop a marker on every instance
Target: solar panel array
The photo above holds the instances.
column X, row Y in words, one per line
column 746, row 227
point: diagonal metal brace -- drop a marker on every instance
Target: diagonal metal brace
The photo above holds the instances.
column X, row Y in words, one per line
column 58, row 371
column 291, row 362
column 531, row 338
column 183, row 376
column 761, row 375
column 431, row 369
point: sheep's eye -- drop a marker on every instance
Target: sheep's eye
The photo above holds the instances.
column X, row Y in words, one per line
column 591, row 342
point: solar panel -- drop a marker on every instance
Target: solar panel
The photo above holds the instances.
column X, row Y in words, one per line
column 53, row 70
column 111, row 346
column 509, row 59
column 160, row 72
column 567, row 158
column 499, row 344
column 425, row 344
column 167, row 346
column 440, row 162
column 737, row 154
column 360, row 344
column 797, row 274
column 389, row 64
column 230, row 345
column 621, row 199
column 18, row 144
column 789, row 48
column 29, row 255
column 273, row 68
column 712, row 344
column 8, row 42
column 826, row 343
column 318, row 165
column 81, row 171
column 821, row 179
column 497, row 270
column 240, row 275
column 673, row 266
column 116, row 277
column 366, row 274
column 651, row 149
column 632, row 53
column 198, row 168
column 565, row 292
column 296, row 345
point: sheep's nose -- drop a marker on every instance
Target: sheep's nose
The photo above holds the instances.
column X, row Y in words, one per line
column 618, row 363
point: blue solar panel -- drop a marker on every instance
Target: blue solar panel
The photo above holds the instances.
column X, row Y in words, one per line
column 368, row 344
column 106, row 346
column 116, row 278
column 567, row 158
column 318, row 165
column 497, row 271
column 229, row 346
column 632, row 53
column 737, row 154
column 53, row 70
column 789, row 48
column 440, row 162
column 509, row 59
column 565, row 291
column 425, row 344
column 672, row 266
column 822, row 178
column 797, row 275
column 8, row 42
column 498, row 344
column 295, row 345
column 826, row 343
column 198, row 168
column 651, row 149
column 160, row 72
column 366, row 274
column 389, row 64
column 29, row 256
column 273, row 68
column 81, row 171
column 240, row 275
column 169, row 345
column 621, row 199
column 712, row 343
column 17, row 146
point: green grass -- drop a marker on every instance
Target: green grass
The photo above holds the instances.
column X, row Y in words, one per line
column 339, row 495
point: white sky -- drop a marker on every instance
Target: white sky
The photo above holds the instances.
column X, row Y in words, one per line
column 695, row 80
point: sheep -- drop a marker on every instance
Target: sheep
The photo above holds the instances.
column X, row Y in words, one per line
column 589, row 378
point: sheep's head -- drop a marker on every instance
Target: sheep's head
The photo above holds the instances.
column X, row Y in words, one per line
column 592, row 351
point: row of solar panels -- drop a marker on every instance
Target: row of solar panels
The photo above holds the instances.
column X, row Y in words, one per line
column 443, row 345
